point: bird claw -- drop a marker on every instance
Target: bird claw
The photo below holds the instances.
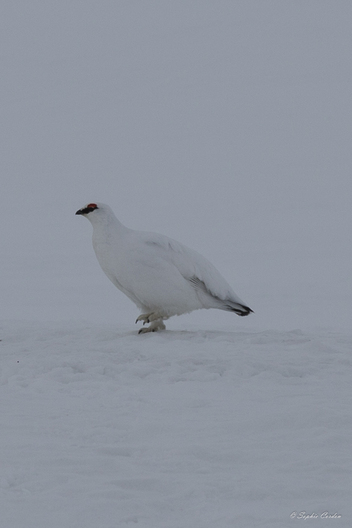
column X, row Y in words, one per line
column 154, row 326
column 146, row 330
column 144, row 318
column 150, row 317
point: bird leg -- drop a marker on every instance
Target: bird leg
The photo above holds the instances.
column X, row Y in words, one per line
column 156, row 320
column 150, row 317
column 144, row 318
column 157, row 324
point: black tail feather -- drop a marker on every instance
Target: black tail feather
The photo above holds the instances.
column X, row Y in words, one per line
column 240, row 309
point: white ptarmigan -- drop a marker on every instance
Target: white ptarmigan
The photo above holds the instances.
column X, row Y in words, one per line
column 161, row 276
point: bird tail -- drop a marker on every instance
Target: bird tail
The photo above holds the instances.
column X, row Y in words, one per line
column 239, row 309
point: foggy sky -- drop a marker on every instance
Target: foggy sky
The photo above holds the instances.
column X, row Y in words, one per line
column 225, row 125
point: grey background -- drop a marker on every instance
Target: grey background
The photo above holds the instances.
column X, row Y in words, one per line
column 223, row 124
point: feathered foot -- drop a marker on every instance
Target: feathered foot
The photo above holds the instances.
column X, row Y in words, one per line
column 153, row 327
column 150, row 317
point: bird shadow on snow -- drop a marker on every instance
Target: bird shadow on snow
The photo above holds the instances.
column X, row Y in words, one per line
column 254, row 337
column 188, row 335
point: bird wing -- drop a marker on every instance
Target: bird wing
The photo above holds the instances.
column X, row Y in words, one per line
column 202, row 275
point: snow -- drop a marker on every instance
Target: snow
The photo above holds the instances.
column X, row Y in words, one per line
column 227, row 126
column 101, row 427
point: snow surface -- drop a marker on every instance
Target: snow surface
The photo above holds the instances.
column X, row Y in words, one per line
column 225, row 125
column 102, row 427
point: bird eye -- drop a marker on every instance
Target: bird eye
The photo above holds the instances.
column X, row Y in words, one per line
column 92, row 206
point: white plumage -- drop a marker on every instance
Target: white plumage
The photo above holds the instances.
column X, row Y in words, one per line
column 161, row 276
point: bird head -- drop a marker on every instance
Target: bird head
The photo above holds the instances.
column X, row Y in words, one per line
column 98, row 214
column 89, row 208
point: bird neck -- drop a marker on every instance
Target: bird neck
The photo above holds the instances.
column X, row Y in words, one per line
column 107, row 229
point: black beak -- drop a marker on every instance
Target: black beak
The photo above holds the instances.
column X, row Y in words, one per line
column 85, row 210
